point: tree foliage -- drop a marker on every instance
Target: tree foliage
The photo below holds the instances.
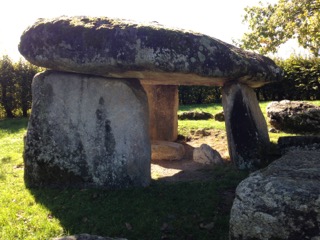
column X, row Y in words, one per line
column 199, row 94
column 15, row 86
column 301, row 81
column 274, row 24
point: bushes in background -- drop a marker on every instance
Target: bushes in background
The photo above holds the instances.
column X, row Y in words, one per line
column 15, row 87
column 301, row 82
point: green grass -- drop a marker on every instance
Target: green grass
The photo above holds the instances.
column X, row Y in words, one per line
column 161, row 211
column 185, row 126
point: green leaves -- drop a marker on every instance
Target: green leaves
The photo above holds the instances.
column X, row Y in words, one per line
column 274, row 24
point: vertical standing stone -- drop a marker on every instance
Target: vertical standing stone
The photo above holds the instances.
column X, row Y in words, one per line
column 87, row 131
column 163, row 107
column 246, row 127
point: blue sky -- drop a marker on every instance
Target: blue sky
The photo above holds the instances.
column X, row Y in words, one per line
column 221, row 19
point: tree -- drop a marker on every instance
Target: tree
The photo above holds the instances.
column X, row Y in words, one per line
column 24, row 73
column 7, row 86
column 274, row 24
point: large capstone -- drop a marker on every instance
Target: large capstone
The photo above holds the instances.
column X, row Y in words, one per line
column 246, row 126
column 281, row 201
column 147, row 51
column 87, row 131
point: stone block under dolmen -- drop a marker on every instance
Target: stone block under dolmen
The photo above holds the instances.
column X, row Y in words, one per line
column 87, row 131
column 164, row 150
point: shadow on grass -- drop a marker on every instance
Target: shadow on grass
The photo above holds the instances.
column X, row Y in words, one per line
column 13, row 125
column 184, row 210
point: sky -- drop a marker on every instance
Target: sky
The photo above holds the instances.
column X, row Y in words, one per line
column 221, row 19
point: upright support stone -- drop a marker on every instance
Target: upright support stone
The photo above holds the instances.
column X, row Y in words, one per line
column 87, row 131
column 163, row 107
column 246, row 127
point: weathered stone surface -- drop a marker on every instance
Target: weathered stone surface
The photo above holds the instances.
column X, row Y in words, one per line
column 287, row 144
column 195, row 115
column 85, row 236
column 163, row 107
column 294, row 116
column 164, row 150
column 246, row 127
column 281, row 201
column 87, row 131
column 206, row 155
column 124, row 49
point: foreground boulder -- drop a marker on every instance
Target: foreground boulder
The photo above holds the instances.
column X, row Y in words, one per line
column 151, row 52
column 87, row 131
column 281, row 201
column 294, row 116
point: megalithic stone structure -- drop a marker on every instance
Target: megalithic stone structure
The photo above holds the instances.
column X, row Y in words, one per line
column 246, row 127
column 160, row 58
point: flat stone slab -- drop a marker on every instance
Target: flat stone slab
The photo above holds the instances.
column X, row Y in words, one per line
column 281, row 201
column 164, row 150
column 147, row 51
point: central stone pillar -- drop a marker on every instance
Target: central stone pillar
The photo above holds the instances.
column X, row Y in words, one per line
column 163, row 111
column 246, row 127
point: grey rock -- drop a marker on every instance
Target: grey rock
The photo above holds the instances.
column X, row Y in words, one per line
column 294, row 116
column 195, row 115
column 206, row 155
column 246, row 127
column 87, row 131
column 150, row 52
column 281, row 201
column 85, row 236
column 287, row 144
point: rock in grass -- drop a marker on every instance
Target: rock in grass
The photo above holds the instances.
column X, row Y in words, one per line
column 219, row 117
column 149, row 51
column 294, row 116
column 195, row 115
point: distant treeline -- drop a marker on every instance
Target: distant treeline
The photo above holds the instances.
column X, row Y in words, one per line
column 15, row 87
column 301, row 82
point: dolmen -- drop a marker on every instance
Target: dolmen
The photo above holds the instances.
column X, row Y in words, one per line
column 112, row 88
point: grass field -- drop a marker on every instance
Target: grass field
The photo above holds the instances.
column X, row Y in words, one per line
column 190, row 210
